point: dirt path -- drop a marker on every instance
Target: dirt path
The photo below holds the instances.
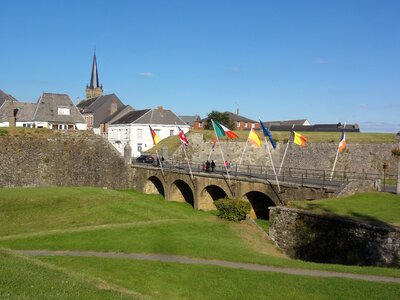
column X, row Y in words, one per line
column 220, row 263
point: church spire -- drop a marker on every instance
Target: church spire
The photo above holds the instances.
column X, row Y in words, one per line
column 94, row 89
column 94, row 79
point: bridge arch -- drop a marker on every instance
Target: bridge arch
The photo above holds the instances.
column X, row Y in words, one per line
column 154, row 185
column 181, row 191
column 259, row 203
column 213, row 192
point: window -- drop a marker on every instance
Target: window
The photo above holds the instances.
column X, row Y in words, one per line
column 171, row 132
column 63, row 111
column 139, row 133
column 253, row 125
column 246, row 125
column 139, row 147
column 238, row 124
column 200, row 124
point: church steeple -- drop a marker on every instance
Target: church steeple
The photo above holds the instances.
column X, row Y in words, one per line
column 95, row 89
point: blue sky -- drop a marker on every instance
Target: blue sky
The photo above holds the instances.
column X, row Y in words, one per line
column 327, row 61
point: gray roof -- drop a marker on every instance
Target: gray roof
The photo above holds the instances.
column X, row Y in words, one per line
column 189, row 120
column 23, row 111
column 47, row 109
column 4, row 97
column 100, row 107
column 122, row 111
column 151, row 116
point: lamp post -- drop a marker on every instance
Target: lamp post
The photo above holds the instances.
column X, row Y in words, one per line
column 398, row 165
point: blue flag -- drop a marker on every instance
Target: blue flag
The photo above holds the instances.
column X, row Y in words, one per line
column 267, row 134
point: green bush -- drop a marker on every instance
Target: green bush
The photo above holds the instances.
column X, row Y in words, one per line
column 232, row 210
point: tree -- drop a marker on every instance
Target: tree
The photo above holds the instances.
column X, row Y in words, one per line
column 220, row 117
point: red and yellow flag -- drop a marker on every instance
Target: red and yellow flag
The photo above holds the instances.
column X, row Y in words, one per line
column 154, row 135
column 299, row 139
column 254, row 138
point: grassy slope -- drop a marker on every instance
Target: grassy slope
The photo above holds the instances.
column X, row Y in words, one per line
column 379, row 207
column 22, row 278
column 134, row 225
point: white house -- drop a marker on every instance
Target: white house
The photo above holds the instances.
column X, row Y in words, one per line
column 133, row 129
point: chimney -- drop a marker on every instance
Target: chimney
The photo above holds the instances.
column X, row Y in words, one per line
column 160, row 108
column 11, row 118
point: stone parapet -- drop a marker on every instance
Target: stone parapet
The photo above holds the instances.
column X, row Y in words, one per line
column 329, row 238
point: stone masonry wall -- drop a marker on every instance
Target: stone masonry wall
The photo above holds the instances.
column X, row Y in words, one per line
column 61, row 161
column 334, row 239
column 360, row 158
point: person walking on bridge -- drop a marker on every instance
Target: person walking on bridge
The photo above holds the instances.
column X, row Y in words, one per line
column 212, row 166
column 207, row 166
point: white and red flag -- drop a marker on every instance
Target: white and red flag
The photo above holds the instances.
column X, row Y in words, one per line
column 342, row 143
column 183, row 137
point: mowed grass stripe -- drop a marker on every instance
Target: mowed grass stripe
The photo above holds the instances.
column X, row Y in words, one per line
column 163, row 280
column 220, row 263
column 93, row 228
column 22, row 277
column 208, row 240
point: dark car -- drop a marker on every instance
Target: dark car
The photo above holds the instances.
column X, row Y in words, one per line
column 148, row 159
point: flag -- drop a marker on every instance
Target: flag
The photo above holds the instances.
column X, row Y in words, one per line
column 342, row 143
column 154, row 136
column 267, row 134
column 254, row 138
column 183, row 137
column 299, row 139
column 221, row 131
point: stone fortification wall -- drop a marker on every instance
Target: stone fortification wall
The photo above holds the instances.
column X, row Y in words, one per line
column 67, row 160
column 333, row 239
column 360, row 158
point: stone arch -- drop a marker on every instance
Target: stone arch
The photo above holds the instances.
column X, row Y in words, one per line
column 181, row 191
column 259, row 203
column 214, row 192
column 154, row 186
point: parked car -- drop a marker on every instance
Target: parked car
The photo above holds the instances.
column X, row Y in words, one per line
column 148, row 159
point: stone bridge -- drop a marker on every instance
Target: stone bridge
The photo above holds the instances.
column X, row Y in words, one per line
column 205, row 188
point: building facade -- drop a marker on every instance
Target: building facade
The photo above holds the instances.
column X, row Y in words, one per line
column 133, row 129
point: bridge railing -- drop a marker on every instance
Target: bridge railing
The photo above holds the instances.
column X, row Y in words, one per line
column 288, row 174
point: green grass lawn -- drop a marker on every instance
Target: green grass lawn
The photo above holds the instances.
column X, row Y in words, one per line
column 380, row 207
column 126, row 221
column 182, row 281
column 24, row 278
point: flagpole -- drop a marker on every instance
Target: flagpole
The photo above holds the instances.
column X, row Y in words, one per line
column 222, row 154
column 272, row 162
column 270, row 156
column 336, row 157
column 212, row 149
column 160, row 162
column 284, row 154
column 187, row 159
column 241, row 158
